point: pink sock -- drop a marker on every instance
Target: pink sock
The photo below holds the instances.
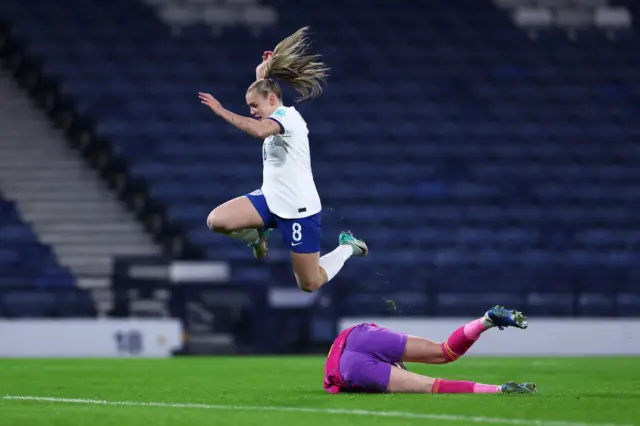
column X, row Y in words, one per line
column 461, row 386
column 461, row 340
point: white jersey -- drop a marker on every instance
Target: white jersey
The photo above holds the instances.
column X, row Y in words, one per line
column 287, row 180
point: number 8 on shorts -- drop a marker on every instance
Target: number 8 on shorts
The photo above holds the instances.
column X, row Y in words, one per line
column 296, row 232
column 302, row 235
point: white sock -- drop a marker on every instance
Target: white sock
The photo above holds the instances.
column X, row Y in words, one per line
column 248, row 235
column 334, row 261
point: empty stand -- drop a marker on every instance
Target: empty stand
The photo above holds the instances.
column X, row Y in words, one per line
column 32, row 282
column 481, row 166
column 68, row 204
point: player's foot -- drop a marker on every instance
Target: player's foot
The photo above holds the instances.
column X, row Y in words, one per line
column 501, row 318
column 513, row 387
column 260, row 248
column 359, row 247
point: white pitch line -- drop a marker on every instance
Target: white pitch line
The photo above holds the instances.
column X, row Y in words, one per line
column 356, row 412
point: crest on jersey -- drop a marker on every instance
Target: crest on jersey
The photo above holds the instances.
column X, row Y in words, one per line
column 280, row 112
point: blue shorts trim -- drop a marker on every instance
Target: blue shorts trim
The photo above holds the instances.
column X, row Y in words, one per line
column 301, row 235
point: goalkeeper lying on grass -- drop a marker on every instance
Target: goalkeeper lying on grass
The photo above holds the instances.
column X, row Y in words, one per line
column 368, row 358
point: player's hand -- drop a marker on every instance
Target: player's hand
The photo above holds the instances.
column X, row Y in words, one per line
column 210, row 101
column 260, row 68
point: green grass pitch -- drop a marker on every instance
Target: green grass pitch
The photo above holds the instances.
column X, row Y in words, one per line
column 288, row 391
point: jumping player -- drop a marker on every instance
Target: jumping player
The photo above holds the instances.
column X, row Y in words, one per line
column 367, row 358
column 288, row 199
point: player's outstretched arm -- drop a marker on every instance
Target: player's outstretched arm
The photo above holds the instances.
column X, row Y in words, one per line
column 258, row 129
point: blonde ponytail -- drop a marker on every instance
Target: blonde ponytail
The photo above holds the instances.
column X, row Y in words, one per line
column 293, row 63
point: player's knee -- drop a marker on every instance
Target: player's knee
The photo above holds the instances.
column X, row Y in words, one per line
column 444, row 357
column 309, row 284
column 216, row 223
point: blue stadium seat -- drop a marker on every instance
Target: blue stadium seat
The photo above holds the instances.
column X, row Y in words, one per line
column 28, row 304
column 74, row 303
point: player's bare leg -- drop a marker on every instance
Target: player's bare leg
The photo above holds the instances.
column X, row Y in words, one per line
column 426, row 351
column 312, row 271
column 306, row 269
column 239, row 219
column 402, row 381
